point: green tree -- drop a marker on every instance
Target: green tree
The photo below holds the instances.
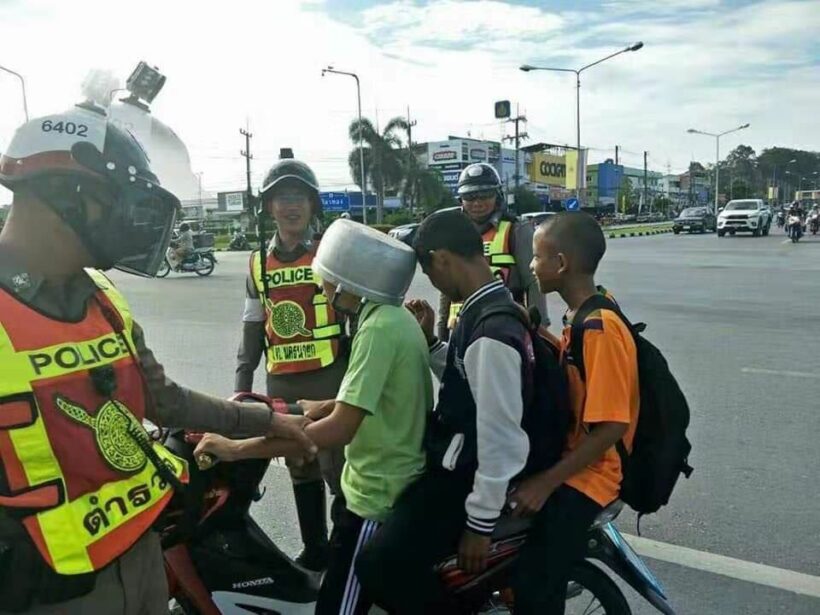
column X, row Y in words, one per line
column 626, row 196
column 421, row 186
column 526, row 201
column 383, row 159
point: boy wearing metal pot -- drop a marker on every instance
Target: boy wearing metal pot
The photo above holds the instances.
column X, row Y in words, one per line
column 380, row 411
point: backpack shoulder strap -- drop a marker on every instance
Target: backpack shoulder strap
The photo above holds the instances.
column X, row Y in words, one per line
column 576, row 340
column 507, row 309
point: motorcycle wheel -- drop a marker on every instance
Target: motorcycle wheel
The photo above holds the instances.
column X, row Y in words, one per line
column 205, row 271
column 164, row 268
column 590, row 590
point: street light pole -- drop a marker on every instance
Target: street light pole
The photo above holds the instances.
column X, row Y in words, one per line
column 330, row 69
column 579, row 176
column 22, row 84
column 717, row 154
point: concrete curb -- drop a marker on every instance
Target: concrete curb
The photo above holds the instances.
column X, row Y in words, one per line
column 628, row 233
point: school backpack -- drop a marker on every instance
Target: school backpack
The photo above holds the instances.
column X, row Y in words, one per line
column 660, row 449
column 547, row 419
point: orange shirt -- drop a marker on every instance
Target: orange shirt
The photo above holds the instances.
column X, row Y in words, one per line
column 610, row 394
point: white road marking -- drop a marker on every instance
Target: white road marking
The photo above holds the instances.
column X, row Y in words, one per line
column 751, row 572
column 777, row 372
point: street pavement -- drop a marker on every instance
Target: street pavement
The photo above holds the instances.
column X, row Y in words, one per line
column 738, row 320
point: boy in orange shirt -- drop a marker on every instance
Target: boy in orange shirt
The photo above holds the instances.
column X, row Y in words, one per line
column 566, row 498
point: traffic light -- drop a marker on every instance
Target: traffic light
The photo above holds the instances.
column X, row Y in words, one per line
column 502, row 109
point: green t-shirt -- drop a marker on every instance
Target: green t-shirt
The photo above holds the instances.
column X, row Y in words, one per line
column 388, row 377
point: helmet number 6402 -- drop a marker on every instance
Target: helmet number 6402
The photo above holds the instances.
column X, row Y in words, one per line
column 69, row 128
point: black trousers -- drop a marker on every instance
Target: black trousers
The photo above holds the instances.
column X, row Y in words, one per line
column 556, row 541
column 395, row 567
column 340, row 593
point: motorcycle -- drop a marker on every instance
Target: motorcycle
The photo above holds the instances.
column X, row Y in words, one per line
column 201, row 261
column 781, row 219
column 239, row 242
column 795, row 228
column 814, row 223
column 218, row 560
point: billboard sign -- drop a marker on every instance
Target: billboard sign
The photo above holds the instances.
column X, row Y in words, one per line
column 232, row 201
column 549, row 169
column 444, row 152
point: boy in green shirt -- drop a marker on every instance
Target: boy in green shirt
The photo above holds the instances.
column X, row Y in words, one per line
column 379, row 414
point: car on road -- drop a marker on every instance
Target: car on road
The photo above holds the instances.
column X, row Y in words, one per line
column 694, row 219
column 404, row 233
column 744, row 216
column 537, row 217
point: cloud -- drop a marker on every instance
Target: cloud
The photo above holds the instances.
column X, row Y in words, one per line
column 448, row 61
column 456, row 24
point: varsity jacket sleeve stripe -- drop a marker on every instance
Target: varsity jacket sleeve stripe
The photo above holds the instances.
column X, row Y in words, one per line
column 494, row 374
column 438, row 358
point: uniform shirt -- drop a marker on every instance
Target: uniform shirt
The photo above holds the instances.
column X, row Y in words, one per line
column 173, row 405
column 320, row 384
column 521, row 282
column 388, row 377
column 609, row 394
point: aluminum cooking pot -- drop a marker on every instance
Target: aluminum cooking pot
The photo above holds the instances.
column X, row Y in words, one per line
column 365, row 262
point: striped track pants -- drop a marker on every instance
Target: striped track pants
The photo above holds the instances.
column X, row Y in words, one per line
column 341, row 593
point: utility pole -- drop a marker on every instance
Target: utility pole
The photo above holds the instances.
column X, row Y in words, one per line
column 246, row 154
column 410, row 125
column 645, row 186
column 410, row 154
column 617, row 151
column 517, row 138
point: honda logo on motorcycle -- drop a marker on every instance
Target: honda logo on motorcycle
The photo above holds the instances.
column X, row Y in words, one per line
column 253, row 583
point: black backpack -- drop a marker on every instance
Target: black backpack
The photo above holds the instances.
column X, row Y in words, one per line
column 547, row 419
column 660, row 449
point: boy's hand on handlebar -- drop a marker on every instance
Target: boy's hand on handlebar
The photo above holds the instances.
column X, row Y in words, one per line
column 215, row 446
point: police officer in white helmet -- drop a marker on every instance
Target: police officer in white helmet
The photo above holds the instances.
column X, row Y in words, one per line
column 507, row 243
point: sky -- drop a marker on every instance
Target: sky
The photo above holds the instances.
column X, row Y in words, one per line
column 706, row 64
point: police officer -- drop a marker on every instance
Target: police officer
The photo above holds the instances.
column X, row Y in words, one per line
column 81, row 482
column 507, row 242
column 288, row 319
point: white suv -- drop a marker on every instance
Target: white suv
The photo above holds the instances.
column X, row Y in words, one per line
column 744, row 215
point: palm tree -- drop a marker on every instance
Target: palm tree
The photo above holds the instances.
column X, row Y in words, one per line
column 422, row 186
column 382, row 157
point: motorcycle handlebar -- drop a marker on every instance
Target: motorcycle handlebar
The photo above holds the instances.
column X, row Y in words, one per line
column 206, row 461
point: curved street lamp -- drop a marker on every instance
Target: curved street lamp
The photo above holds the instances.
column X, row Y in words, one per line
column 22, row 84
column 717, row 137
column 529, row 67
column 332, row 70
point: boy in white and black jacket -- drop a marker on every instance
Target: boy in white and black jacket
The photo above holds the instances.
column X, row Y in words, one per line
column 476, row 441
